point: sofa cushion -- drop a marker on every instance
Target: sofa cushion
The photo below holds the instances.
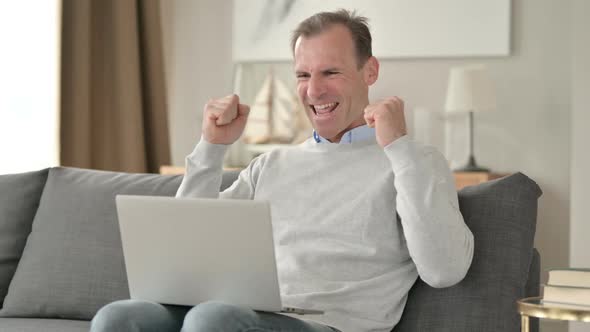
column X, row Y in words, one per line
column 45, row 325
column 502, row 216
column 19, row 199
column 73, row 262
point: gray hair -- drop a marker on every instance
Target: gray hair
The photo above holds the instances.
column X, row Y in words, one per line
column 357, row 25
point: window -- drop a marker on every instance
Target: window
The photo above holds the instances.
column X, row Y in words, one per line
column 29, row 84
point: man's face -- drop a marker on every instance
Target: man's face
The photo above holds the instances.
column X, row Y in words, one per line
column 330, row 85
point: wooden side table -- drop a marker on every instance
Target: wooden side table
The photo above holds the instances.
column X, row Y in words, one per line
column 171, row 170
column 464, row 179
column 534, row 307
column 177, row 170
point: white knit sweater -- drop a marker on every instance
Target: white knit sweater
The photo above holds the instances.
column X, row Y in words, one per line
column 339, row 246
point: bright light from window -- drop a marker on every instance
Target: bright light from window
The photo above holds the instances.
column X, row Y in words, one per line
column 29, row 84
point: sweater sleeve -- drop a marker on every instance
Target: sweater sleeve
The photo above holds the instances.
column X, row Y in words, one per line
column 438, row 240
column 204, row 171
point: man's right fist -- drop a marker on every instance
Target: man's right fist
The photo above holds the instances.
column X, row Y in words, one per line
column 224, row 119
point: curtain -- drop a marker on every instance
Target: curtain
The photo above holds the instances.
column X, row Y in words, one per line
column 113, row 99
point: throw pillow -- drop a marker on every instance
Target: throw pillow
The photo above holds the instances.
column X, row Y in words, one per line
column 19, row 199
column 73, row 263
column 502, row 216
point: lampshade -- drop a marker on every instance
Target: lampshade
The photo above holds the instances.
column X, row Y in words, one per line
column 470, row 89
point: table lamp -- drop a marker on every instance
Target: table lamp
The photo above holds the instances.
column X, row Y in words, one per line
column 470, row 90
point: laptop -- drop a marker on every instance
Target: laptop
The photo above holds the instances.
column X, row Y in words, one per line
column 185, row 251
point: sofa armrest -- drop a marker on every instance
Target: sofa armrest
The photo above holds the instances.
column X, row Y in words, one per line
column 533, row 287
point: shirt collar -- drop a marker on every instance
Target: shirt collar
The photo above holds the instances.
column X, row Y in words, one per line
column 357, row 134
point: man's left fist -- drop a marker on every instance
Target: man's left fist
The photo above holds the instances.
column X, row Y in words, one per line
column 387, row 117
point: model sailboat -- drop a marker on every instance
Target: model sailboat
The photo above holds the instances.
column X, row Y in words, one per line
column 276, row 116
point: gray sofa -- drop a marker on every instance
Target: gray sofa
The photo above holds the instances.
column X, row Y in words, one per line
column 61, row 257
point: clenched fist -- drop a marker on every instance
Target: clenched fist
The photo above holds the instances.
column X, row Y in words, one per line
column 387, row 117
column 224, row 119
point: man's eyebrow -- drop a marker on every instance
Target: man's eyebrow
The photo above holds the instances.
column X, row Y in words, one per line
column 327, row 70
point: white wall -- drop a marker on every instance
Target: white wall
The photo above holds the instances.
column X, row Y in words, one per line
column 580, row 222
column 197, row 38
column 530, row 131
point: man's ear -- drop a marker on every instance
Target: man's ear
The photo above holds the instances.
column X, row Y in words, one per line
column 371, row 70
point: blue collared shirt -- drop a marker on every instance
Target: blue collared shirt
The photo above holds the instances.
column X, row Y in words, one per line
column 357, row 134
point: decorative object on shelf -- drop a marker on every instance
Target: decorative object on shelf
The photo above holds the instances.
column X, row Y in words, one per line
column 572, row 296
column 470, row 90
column 574, row 277
column 568, row 286
column 276, row 116
column 269, row 90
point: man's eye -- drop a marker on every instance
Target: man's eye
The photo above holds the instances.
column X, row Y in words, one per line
column 302, row 76
column 332, row 73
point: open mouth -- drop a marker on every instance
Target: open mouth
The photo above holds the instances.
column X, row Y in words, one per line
column 323, row 109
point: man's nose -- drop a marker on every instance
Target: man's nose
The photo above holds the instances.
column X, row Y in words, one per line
column 315, row 87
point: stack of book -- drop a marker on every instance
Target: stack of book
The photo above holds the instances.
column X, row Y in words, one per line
column 569, row 287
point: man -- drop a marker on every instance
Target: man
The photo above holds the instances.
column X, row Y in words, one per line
column 340, row 246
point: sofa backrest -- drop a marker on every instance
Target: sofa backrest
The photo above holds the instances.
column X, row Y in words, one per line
column 19, row 199
column 502, row 216
column 73, row 264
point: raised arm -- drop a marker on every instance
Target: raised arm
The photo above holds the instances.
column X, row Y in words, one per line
column 224, row 121
column 438, row 240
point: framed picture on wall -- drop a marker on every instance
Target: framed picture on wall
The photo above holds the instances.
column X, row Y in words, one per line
column 400, row 28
